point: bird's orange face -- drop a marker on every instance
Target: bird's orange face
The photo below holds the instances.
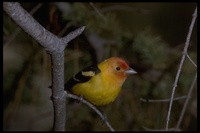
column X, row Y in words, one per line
column 119, row 67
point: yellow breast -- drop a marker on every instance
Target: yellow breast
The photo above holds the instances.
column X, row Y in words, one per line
column 99, row 91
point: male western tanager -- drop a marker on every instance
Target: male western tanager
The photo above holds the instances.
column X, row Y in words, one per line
column 100, row 84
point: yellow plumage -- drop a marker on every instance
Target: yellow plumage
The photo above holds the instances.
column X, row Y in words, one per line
column 104, row 86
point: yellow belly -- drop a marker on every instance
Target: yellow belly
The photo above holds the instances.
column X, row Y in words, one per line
column 98, row 93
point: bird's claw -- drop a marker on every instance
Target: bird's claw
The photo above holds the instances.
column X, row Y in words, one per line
column 80, row 99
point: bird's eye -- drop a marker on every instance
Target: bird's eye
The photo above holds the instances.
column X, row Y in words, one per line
column 118, row 68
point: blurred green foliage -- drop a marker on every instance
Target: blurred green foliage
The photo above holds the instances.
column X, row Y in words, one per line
column 150, row 36
column 105, row 25
column 151, row 49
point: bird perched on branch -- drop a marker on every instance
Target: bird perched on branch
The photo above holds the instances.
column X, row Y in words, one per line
column 100, row 84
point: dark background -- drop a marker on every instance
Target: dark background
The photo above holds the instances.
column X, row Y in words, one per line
column 149, row 36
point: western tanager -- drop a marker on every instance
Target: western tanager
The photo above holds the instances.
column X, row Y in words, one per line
column 100, row 84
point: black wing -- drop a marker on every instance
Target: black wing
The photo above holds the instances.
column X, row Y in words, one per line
column 82, row 76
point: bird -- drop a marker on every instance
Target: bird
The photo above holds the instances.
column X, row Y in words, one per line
column 101, row 83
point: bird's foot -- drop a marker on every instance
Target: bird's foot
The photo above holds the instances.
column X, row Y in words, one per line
column 80, row 99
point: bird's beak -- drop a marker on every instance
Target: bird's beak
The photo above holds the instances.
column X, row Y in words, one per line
column 130, row 71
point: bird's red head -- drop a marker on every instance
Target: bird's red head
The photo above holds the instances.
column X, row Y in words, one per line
column 117, row 67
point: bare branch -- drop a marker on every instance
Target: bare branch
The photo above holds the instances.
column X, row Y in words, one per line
column 72, row 35
column 55, row 47
column 191, row 60
column 31, row 26
column 58, row 97
column 98, row 12
column 186, row 102
column 180, row 66
column 162, row 100
column 92, row 107
column 153, row 130
column 16, row 32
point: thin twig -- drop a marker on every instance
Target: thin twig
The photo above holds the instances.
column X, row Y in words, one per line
column 91, row 106
column 162, row 100
column 180, row 66
column 191, row 61
column 186, row 102
column 153, row 130
column 98, row 12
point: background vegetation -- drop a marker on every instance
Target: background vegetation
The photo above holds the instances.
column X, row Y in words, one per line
column 150, row 36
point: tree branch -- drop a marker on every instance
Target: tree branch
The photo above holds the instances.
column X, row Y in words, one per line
column 162, row 100
column 158, row 130
column 31, row 26
column 17, row 30
column 191, row 60
column 181, row 64
column 55, row 47
column 92, row 107
column 186, row 102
